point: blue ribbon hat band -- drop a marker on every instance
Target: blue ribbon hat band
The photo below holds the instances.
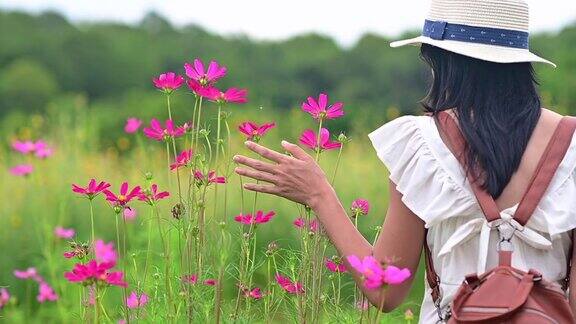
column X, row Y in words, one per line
column 441, row 30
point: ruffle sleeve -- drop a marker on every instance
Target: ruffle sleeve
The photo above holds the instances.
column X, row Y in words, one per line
column 428, row 188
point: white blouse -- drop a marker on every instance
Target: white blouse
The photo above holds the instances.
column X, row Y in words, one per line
column 435, row 188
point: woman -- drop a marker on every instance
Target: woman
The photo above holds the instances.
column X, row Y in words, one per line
column 482, row 75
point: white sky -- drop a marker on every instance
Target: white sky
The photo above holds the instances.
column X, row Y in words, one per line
column 345, row 21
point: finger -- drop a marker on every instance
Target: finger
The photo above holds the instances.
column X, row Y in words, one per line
column 269, row 189
column 255, row 164
column 257, row 175
column 266, row 152
column 296, row 151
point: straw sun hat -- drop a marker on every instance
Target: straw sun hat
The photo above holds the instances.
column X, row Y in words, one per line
column 490, row 30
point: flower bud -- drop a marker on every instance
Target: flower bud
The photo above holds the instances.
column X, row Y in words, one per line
column 342, row 138
column 222, row 225
column 178, row 211
column 118, row 209
column 272, row 248
column 408, row 315
column 204, row 132
column 148, row 176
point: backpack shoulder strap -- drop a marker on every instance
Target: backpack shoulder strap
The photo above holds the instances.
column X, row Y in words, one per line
column 547, row 166
column 546, row 169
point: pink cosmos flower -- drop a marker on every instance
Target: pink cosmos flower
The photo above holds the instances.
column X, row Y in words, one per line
column 132, row 125
column 333, row 266
column 29, row 273
column 289, row 286
column 197, row 72
column 199, row 89
column 374, row 275
column 22, row 170
column 64, row 233
column 168, row 82
column 69, row 254
column 46, row 293
column 360, row 207
column 124, row 197
column 254, row 293
column 310, row 139
column 301, row 223
column 232, row 95
column 4, row 297
column 135, row 301
column 94, row 272
column 254, row 132
column 129, row 213
column 153, row 195
column 105, row 253
column 156, row 132
column 92, row 190
column 42, row 150
column 23, row 147
column 320, row 109
column 371, row 270
column 182, row 160
column 212, row 178
column 260, row 218
column 395, row 276
column 191, row 278
column 210, row 282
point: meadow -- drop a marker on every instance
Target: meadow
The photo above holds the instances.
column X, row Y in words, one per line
column 67, row 91
column 37, row 203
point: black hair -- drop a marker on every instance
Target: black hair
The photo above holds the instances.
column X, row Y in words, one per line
column 497, row 106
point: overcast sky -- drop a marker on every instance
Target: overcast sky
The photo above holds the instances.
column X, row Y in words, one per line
column 346, row 21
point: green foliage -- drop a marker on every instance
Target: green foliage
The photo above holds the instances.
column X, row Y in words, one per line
column 26, row 85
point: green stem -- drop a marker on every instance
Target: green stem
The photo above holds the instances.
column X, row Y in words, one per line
column 92, row 223
column 337, row 165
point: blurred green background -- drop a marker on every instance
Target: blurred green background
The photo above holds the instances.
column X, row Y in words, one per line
column 74, row 85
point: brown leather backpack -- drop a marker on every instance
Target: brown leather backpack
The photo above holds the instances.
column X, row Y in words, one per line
column 505, row 294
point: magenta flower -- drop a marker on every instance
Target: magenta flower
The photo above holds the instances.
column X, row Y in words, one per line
column 232, row 95
column 395, row 276
column 182, row 160
column 260, row 218
column 46, row 293
column 42, row 150
column 152, row 196
column 202, row 179
column 310, row 139
column 197, row 73
column 374, row 275
column 135, row 301
column 301, row 223
column 23, row 147
column 371, row 270
column 132, row 125
column 92, row 190
column 191, row 279
column 289, row 286
column 334, row 266
column 124, row 197
column 22, row 170
column 156, row 132
column 29, row 273
column 168, row 82
column 94, row 272
column 254, row 132
column 360, row 207
column 199, row 89
column 64, row 233
column 210, row 282
column 129, row 213
column 105, row 253
column 4, row 297
column 320, row 109
column 254, row 293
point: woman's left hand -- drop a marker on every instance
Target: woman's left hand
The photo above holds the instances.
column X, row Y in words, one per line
column 298, row 177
